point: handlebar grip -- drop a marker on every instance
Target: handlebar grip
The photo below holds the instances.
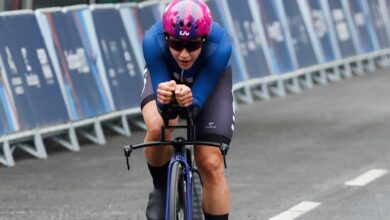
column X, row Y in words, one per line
column 170, row 112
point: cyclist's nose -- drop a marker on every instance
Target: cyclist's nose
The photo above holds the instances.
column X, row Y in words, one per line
column 184, row 54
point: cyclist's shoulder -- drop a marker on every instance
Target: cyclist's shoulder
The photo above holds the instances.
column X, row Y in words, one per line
column 218, row 41
column 154, row 34
column 153, row 41
column 217, row 33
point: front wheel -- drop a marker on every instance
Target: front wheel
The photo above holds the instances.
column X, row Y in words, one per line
column 197, row 213
column 177, row 193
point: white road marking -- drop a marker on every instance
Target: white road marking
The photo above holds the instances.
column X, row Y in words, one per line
column 297, row 210
column 367, row 177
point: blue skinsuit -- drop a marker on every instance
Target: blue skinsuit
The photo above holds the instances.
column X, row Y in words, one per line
column 202, row 77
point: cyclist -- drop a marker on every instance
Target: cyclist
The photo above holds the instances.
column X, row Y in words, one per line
column 187, row 61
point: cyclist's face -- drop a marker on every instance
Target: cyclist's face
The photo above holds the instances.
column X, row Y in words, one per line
column 185, row 54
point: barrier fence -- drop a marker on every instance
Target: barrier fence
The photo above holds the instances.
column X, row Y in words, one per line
column 67, row 72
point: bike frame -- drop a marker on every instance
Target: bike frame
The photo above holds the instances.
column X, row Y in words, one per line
column 180, row 145
column 181, row 157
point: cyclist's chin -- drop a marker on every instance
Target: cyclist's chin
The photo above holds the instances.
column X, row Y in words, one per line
column 185, row 65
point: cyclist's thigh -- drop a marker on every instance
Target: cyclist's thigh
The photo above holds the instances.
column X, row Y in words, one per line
column 151, row 115
column 215, row 122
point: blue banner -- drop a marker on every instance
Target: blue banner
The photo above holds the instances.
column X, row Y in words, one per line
column 319, row 29
column 220, row 17
column 379, row 23
column 122, row 70
column 34, row 87
column 137, row 19
column 7, row 114
column 281, row 55
column 249, row 37
column 300, row 39
column 7, row 111
column 82, row 81
column 145, row 15
column 385, row 8
column 366, row 37
column 341, row 27
column 8, row 120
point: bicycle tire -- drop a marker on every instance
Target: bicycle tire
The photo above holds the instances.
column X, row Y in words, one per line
column 196, row 187
column 177, row 193
column 197, row 213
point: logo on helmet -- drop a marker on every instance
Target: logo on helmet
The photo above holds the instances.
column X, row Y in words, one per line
column 184, row 33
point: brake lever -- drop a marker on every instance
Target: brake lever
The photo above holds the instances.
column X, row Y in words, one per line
column 224, row 150
column 127, row 150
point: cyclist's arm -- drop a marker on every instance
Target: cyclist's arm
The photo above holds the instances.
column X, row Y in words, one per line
column 210, row 74
column 155, row 62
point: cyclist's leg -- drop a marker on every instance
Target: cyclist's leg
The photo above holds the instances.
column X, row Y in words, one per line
column 158, row 161
column 157, row 157
column 215, row 123
column 216, row 197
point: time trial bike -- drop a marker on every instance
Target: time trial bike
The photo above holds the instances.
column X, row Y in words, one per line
column 184, row 183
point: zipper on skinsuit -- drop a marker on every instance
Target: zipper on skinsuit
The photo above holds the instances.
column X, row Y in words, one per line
column 181, row 75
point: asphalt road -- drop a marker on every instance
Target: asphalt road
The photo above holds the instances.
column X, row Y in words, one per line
column 285, row 151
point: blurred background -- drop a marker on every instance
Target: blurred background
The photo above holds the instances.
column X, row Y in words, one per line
column 8, row 5
column 310, row 80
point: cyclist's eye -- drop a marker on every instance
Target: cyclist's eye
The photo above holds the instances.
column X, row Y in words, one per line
column 176, row 45
column 192, row 46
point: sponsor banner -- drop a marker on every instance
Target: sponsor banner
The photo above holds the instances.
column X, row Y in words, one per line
column 34, row 90
column 84, row 85
column 282, row 58
column 8, row 116
column 320, row 31
column 251, row 43
column 137, row 19
column 366, row 40
column 378, row 20
column 341, row 27
column 220, row 16
column 144, row 15
column 122, row 70
column 385, row 8
column 300, row 40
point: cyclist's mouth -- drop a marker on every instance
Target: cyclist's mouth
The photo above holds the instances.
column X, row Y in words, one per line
column 184, row 61
column 185, row 64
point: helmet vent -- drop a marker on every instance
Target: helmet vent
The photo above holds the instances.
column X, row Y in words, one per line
column 181, row 23
column 189, row 25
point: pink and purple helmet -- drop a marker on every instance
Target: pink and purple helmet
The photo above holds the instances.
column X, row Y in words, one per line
column 187, row 19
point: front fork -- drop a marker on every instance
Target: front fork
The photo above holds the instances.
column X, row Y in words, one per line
column 182, row 159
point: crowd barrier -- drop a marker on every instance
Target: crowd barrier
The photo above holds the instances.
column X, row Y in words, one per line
column 68, row 72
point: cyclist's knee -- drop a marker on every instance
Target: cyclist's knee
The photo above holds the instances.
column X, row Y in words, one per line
column 154, row 132
column 153, row 121
column 211, row 169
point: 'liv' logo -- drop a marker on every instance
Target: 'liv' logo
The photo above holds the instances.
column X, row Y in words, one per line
column 182, row 33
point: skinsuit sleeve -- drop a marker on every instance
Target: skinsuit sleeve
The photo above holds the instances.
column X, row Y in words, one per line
column 155, row 58
column 215, row 64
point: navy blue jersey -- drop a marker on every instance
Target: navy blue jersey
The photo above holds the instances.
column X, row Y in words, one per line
column 202, row 77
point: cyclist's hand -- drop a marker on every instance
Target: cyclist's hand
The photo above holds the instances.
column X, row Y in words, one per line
column 183, row 95
column 165, row 92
